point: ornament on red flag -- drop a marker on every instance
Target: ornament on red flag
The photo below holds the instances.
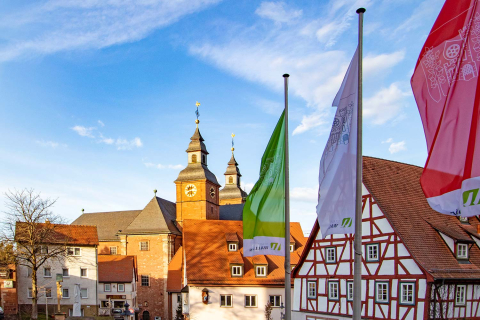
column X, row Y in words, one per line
column 447, row 91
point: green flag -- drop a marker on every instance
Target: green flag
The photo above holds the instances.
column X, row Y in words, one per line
column 264, row 210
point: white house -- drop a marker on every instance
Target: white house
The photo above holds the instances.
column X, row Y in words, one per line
column 116, row 282
column 77, row 266
column 212, row 279
column 417, row 263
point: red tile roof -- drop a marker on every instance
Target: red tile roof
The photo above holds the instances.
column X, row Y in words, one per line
column 208, row 259
column 396, row 189
column 58, row 233
column 175, row 274
column 113, row 268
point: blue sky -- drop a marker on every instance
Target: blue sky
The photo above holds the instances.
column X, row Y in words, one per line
column 98, row 96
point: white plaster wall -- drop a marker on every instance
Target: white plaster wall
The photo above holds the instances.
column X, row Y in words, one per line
column 212, row 310
column 88, row 260
column 129, row 292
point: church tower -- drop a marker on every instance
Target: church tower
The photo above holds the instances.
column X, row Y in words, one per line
column 232, row 193
column 197, row 187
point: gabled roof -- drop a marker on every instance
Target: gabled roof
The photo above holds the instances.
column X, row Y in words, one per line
column 108, row 223
column 175, row 274
column 207, row 238
column 50, row 233
column 158, row 216
column 396, row 189
column 116, row 268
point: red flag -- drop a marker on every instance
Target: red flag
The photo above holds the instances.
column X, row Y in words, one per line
column 446, row 88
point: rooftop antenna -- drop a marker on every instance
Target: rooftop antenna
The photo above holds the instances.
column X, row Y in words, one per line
column 197, row 113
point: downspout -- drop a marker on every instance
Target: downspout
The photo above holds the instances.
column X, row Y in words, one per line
column 96, row 282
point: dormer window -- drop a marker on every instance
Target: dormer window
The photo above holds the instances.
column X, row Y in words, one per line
column 232, row 246
column 292, row 247
column 260, row 271
column 462, row 251
column 237, row 271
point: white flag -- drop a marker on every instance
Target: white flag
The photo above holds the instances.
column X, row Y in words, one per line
column 337, row 177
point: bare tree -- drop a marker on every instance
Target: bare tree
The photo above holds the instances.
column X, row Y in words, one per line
column 268, row 311
column 30, row 228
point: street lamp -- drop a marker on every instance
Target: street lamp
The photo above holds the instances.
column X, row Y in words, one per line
column 127, row 313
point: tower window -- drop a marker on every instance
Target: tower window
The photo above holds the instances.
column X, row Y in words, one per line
column 230, row 179
column 194, row 158
column 204, row 159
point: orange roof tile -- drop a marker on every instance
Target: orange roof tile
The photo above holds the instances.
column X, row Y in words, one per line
column 231, row 237
column 59, row 233
column 261, row 259
column 208, row 259
column 175, row 267
column 115, row 268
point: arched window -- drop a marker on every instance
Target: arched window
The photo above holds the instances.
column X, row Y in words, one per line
column 230, row 179
column 194, row 158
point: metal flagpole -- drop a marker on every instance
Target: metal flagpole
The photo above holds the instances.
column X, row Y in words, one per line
column 357, row 273
column 288, row 282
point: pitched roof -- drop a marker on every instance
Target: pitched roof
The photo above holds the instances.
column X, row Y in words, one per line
column 58, row 233
column 175, row 274
column 396, row 189
column 231, row 212
column 108, row 223
column 116, row 268
column 158, row 216
column 207, row 238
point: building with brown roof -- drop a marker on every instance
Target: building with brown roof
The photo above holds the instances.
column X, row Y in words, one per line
column 77, row 264
column 221, row 282
column 417, row 263
column 117, row 279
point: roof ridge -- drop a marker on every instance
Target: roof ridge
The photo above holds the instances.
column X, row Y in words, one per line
column 393, row 161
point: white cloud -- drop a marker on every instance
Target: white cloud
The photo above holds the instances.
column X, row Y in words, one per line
column 51, row 144
column 60, row 25
column 385, row 105
column 397, row 147
column 162, row 166
column 425, row 10
column 84, row 131
column 124, row 144
column 380, row 63
column 311, row 121
column 329, row 32
column 389, row 140
column 247, row 187
column 100, row 122
column 269, row 106
column 277, row 12
column 304, row 194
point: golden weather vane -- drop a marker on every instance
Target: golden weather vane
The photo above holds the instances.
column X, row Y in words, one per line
column 233, row 136
column 197, row 113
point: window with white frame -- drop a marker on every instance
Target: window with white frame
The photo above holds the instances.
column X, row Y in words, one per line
column 260, row 271
column 44, row 249
column 83, row 272
column 250, row 301
column 65, row 272
column 232, row 246
column 65, row 293
column 84, row 293
column 381, row 292
column 407, row 293
column 113, row 250
column 460, row 295
column 107, row 287
column 373, row 252
column 292, row 247
column 121, row 287
column 349, row 290
column 48, row 292
column 330, row 255
column 29, row 293
column 462, row 251
column 333, row 290
column 145, row 280
column 73, row 251
column 47, row 272
column 275, row 301
column 226, row 300
column 144, row 246
column 312, row 289
column 236, row 271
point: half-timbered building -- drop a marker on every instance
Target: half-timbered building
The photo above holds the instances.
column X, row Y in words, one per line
column 416, row 263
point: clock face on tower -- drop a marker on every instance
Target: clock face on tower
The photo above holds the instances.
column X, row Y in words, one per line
column 190, row 190
column 212, row 192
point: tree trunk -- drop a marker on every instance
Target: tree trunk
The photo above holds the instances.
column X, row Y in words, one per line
column 34, row 315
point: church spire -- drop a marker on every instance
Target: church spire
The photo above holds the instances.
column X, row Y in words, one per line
column 232, row 192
